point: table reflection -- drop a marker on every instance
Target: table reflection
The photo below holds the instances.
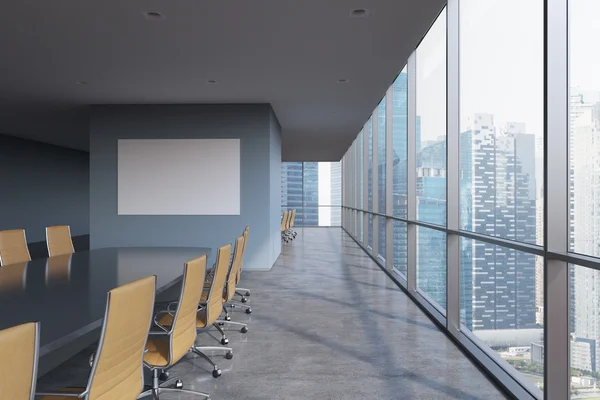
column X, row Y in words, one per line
column 58, row 270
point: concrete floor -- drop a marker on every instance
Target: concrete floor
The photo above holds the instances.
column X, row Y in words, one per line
column 327, row 323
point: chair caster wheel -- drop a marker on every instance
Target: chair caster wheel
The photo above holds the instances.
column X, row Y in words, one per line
column 244, row 300
column 179, row 384
column 229, row 355
column 220, row 323
column 244, row 329
column 164, row 376
column 248, row 311
column 216, row 373
column 232, row 305
column 248, row 293
column 228, row 318
column 224, row 341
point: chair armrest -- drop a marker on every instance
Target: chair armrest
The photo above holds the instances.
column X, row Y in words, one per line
column 62, row 394
column 159, row 325
column 159, row 333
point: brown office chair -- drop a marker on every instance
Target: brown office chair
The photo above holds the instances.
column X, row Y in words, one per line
column 58, row 239
column 211, row 306
column 117, row 369
column 284, row 226
column 292, row 223
column 178, row 331
column 19, row 347
column 13, row 247
column 242, row 291
column 230, row 284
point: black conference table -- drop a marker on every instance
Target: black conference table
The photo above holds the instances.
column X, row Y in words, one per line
column 67, row 294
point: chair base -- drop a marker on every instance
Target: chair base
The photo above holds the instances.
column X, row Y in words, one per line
column 243, row 326
column 198, row 350
column 158, row 388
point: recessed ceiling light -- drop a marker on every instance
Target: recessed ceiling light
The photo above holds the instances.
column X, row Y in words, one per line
column 153, row 15
column 359, row 13
column 211, row 82
column 81, row 82
column 343, row 80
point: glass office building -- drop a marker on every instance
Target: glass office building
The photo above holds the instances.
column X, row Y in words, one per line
column 484, row 186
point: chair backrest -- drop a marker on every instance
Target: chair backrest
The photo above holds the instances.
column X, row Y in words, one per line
column 284, row 221
column 58, row 240
column 293, row 220
column 184, row 332
column 239, row 273
column 234, row 269
column 117, row 372
column 214, row 298
column 19, row 347
column 13, row 247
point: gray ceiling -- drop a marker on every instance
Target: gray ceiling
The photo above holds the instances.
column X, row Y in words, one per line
column 289, row 53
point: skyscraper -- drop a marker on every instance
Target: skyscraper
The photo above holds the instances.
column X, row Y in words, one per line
column 498, row 198
column 336, row 193
column 584, row 204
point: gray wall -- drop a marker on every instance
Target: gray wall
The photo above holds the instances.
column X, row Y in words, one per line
column 260, row 150
column 275, row 200
column 43, row 185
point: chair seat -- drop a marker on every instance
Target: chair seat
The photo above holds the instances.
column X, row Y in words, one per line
column 59, row 397
column 167, row 320
column 158, row 352
column 201, row 319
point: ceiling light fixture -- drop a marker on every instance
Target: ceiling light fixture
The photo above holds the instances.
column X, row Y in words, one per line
column 153, row 15
column 359, row 13
column 343, row 80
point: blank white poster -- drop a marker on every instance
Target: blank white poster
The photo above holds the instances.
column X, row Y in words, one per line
column 179, row 176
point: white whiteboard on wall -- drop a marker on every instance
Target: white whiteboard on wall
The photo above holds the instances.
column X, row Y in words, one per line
column 178, row 176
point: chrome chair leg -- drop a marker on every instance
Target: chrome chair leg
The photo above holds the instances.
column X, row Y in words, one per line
column 227, row 317
column 224, row 339
column 236, row 303
column 216, row 371
column 157, row 388
column 243, row 329
column 240, row 290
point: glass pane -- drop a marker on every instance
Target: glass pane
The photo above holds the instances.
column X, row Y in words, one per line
column 431, row 264
column 361, row 171
column 369, row 133
column 584, row 146
column 361, row 223
column 431, row 124
column 585, row 333
column 399, row 140
column 400, row 247
column 502, row 118
column 291, row 189
column 311, row 194
column 370, row 231
column 501, row 302
column 381, row 190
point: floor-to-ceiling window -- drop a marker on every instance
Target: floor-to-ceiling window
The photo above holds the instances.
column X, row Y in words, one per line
column 314, row 190
column 501, row 158
column 398, row 96
column 584, row 190
column 430, row 140
column 381, row 166
column 494, row 158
